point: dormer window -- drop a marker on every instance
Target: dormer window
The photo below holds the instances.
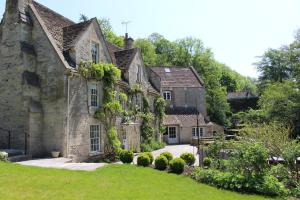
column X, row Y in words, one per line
column 95, row 52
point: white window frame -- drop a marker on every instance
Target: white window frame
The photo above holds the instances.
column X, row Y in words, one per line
column 95, row 139
column 95, row 52
column 172, row 130
column 167, row 95
column 200, row 132
column 94, row 96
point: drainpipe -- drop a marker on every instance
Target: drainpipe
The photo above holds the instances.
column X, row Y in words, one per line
column 68, row 116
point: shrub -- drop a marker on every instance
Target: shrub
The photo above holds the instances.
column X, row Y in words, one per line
column 3, row 156
column 168, row 155
column 143, row 160
column 249, row 159
column 266, row 185
column 152, row 146
column 150, row 156
column 177, row 165
column 161, row 163
column 280, row 172
column 272, row 187
column 206, row 162
column 189, row 158
column 126, row 156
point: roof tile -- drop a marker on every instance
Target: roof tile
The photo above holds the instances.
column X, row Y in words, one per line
column 177, row 77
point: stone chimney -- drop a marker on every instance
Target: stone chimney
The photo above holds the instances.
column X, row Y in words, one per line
column 15, row 7
column 128, row 42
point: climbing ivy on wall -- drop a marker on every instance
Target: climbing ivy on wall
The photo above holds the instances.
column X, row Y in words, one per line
column 147, row 125
column 109, row 74
column 159, row 110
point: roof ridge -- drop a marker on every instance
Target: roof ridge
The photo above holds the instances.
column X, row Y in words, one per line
column 45, row 7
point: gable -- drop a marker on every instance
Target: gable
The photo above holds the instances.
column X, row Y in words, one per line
column 65, row 34
column 92, row 33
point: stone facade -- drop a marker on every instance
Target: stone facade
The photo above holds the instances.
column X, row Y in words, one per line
column 44, row 103
column 184, row 92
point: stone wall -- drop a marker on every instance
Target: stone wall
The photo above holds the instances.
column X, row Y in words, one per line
column 13, row 109
column 83, row 46
column 188, row 97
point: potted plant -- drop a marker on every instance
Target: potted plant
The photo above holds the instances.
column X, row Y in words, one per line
column 55, row 154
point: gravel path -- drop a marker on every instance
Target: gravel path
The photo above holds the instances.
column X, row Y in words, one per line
column 176, row 151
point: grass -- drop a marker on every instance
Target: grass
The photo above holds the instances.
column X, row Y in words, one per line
column 114, row 182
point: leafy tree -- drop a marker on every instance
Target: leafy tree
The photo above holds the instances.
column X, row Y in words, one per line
column 281, row 102
column 83, row 18
column 108, row 33
column 148, row 51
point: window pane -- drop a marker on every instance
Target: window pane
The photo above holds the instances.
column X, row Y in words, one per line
column 94, row 97
column 94, row 49
column 95, row 138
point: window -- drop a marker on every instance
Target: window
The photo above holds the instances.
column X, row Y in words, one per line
column 95, row 53
column 94, row 96
column 167, row 95
column 198, row 133
column 95, row 138
column 172, row 132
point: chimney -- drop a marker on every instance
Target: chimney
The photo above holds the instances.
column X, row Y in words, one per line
column 128, row 42
column 16, row 6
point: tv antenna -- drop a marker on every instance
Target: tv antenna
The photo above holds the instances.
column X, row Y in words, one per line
column 126, row 24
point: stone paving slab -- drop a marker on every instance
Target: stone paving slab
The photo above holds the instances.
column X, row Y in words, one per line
column 62, row 163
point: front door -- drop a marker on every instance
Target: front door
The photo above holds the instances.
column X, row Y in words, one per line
column 172, row 135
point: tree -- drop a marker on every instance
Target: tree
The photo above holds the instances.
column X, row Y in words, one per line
column 281, row 102
column 108, row 33
column 83, row 18
column 274, row 65
column 148, row 51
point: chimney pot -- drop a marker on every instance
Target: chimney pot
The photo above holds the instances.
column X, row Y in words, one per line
column 128, row 42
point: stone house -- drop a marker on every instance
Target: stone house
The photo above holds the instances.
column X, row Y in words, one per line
column 45, row 105
column 184, row 91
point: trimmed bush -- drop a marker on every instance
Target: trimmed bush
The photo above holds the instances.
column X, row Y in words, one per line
column 126, row 156
column 207, row 162
column 168, row 155
column 189, row 158
column 150, row 156
column 143, row 160
column 3, row 157
column 177, row 165
column 161, row 163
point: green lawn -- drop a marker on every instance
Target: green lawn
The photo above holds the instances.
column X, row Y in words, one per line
column 115, row 182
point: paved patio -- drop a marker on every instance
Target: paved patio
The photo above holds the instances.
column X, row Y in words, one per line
column 62, row 163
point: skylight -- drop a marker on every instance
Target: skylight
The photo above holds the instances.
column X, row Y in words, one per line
column 167, row 70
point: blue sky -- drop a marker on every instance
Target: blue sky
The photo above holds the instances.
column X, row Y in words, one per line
column 236, row 30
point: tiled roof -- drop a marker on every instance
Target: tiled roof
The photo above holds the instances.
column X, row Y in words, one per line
column 72, row 33
column 124, row 57
column 178, row 77
column 112, row 49
column 184, row 120
column 54, row 23
column 181, row 111
column 240, row 95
